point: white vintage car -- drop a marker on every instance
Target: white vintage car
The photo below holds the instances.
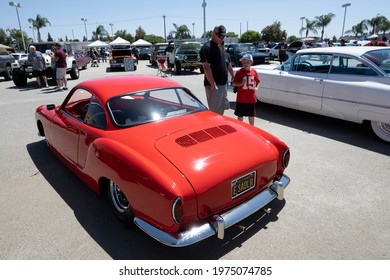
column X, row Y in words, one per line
column 348, row 83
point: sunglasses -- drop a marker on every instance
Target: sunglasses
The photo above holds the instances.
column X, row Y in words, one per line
column 220, row 36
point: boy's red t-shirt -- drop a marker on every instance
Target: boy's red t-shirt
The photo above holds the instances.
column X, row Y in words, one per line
column 247, row 93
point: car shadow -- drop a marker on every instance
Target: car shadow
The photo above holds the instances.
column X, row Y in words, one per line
column 128, row 242
column 359, row 135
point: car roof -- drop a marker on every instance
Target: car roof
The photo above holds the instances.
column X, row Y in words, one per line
column 107, row 87
column 351, row 50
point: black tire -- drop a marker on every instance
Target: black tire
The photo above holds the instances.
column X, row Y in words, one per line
column 119, row 203
column 381, row 130
column 19, row 78
column 177, row 68
column 74, row 73
column 8, row 73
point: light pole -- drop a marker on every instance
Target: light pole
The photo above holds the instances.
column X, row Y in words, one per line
column 300, row 31
column 345, row 13
column 85, row 26
column 17, row 5
column 204, row 4
column 112, row 32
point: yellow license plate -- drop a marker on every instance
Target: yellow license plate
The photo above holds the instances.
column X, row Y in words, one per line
column 243, row 184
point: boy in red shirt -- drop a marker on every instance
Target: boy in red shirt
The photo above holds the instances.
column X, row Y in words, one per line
column 247, row 81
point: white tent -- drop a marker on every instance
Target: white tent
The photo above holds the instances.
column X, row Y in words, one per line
column 120, row 42
column 141, row 43
column 97, row 44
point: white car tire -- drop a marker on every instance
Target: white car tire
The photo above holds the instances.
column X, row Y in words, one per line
column 382, row 130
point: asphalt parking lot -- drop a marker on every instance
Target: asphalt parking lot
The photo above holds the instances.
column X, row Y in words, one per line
column 336, row 206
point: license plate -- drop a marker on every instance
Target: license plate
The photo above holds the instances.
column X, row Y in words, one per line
column 29, row 70
column 243, row 184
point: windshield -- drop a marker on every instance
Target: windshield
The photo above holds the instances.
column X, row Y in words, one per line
column 147, row 106
column 381, row 58
column 246, row 48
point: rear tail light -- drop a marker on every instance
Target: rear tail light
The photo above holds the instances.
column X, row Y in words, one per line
column 286, row 158
column 177, row 210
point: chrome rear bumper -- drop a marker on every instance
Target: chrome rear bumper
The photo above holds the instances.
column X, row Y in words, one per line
column 221, row 222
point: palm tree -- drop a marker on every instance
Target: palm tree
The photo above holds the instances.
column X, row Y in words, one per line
column 310, row 27
column 99, row 33
column 384, row 26
column 38, row 23
column 180, row 32
column 323, row 21
column 359, row 29
column 376, row 22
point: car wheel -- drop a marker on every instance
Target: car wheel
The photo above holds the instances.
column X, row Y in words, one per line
column 8, row 73
column 119, row 203
column 177, row 68
column 382, row 130
column 74, row 73
column 20, row 80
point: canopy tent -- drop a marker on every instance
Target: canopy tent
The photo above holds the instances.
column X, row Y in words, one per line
column 120, row 42
column 97, row 44
column 141, row 43
column 7, row 48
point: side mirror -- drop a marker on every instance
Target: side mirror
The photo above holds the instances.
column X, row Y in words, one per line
column 50, row 106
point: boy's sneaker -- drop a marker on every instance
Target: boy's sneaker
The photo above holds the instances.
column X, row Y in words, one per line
column 65, row 88
column 59, row 89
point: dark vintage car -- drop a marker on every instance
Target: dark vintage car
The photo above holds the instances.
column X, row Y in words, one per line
column 144, row 54
column 237, row 50
column 166, row 162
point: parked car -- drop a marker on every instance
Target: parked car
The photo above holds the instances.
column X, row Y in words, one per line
column 82, row 59
column 186, row 55
column 6, row 61
column 236, row 51
column 157, row 49
column 349, row 83
column 18, row 56
column 144, row 54
column 122, row 58
column 166, row 162
column 22, row 72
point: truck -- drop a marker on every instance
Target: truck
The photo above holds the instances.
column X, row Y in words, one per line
column 23, row 71
column 186, row 55
column 122, row 58
column 6, row 61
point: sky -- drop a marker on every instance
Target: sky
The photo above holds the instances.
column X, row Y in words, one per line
column 236, row 15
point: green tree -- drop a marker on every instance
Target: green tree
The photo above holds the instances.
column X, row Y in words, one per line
column 17, row 36
column 180, row 32
column 49, row 38
column 376, row 22
column 154, row 39
column 311, row 26
column 323, row 21
column 99, row 33
column 359, row 29
column 4, row 38
column 38, row 23
column 250, row 36
column 273, row 32
column 140, row 33
column 123, row 34
column 384, row 26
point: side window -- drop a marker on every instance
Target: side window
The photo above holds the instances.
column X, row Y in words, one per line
column 95, row 115
column 344, row 65
column 77, row 103
column 314, row 63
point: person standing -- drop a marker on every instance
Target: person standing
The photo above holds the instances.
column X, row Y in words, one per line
column 247, row 80
column 36, row 59
column 60, row 60
column 215, row 71
column 283, row 51
column 375, row 41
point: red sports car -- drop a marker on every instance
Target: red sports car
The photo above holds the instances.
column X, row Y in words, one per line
column 177, row 170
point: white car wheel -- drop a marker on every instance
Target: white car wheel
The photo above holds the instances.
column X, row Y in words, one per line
column 382, row 130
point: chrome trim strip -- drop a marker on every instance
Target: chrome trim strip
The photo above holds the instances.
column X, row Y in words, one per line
column 221, row 222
